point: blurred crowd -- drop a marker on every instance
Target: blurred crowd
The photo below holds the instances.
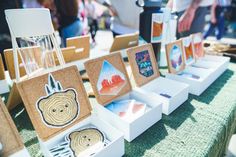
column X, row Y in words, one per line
column 80, row 17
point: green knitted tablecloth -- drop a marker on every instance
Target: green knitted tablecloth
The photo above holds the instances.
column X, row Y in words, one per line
column 200, row 127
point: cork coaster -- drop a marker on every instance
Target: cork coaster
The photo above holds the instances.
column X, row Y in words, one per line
column 175, row 58
column 82, row 46
column 188, row 50
column 143, row 64
column 124, row 41
column 108, row 77
column 2, row 72
column 9, row 136
column 14, row 98
column 33, row 52
column 198, row 45
column 68, row 55
column 84, row 139
column 56, row 101
column 8, row 53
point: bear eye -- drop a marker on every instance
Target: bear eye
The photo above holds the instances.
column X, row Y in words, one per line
column 84, row 136
column 66, row 105
column 54, row 110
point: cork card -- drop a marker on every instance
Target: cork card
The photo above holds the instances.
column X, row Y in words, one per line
column 198, row 45
column 188, row 50
column 108, row 77
column 9, row 136
column 143, row 64
column 8, row 53
column 57, row 102
column 82, row 48
column 156, row 27
column 174, row 55
column 124, row 41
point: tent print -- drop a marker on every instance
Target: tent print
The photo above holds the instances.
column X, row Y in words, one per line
column 111, row 80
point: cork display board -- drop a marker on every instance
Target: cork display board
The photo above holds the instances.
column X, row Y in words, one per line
column 9, row 136
column 188, row 50
column 68, row 53
column 82, row 46
column 198, row 45
column 2, row 72
column 59, row 101
column 108, row 77
column 175, row 57
column 143, row 64
column 35, row 53
column 124, row 41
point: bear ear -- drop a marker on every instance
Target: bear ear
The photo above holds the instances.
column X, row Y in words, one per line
column 41, row 104
column 71, row 93
column 71, row 136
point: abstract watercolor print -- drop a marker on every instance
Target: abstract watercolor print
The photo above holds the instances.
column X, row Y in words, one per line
column 198, row 46
column 188, row 49
column 157, row 26
column 176, row 57
column 144, row 63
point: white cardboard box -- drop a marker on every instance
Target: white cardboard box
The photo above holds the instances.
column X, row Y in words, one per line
column 173, row 92
column 139, row 125
column 222, row 62
column 4, row 87
column 177, row 90
column 132, row 129
column 21, row 153
column 50, row 135
column 197, row 86
column 115, row 148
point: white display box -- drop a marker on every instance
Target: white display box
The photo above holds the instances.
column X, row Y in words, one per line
column 177, row 90
column 138, row 126
column 217, row 63
column 4, row 87
column 222, row 62
column 196, row 86
column 21, row 153
column 115, row 147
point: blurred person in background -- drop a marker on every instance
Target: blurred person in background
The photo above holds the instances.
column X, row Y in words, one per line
column 191, row 15
column 218, row 10
column 31, row 4
column 5, row 37
column 92, row 18
column 125, row 16
column 69, row 23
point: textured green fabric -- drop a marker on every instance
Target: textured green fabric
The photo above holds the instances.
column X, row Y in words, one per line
column 200, row 127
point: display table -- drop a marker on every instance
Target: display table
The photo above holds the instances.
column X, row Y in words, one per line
column 201, row 126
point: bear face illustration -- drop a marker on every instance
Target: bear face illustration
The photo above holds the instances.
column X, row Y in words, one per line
column 84, row 139
column 59, row 109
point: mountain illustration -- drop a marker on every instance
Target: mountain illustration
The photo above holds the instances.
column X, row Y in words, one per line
column 110, row 80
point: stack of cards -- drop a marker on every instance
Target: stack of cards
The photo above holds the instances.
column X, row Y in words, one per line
column 128, row 110
column 84, row 142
